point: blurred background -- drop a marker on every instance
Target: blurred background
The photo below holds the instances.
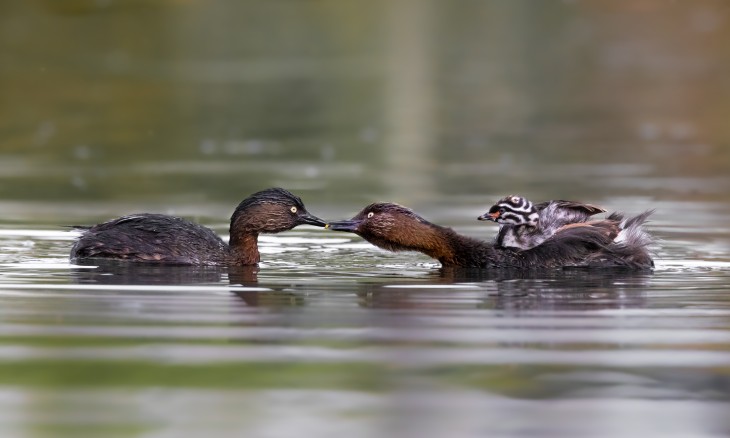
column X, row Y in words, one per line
column 179, row 102
column 185, row 107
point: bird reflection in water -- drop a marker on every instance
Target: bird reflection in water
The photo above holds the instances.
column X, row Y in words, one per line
column 571, row 289
column 278, row 295
column 564, row 289
column 578, row 289
column 113, row 272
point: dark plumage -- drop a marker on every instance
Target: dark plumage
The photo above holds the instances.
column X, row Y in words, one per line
column 620, row 243
column 525, row 225
column 160, row 238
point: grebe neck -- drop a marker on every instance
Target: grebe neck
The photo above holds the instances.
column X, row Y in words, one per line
column 451, row 248
column 244, row 249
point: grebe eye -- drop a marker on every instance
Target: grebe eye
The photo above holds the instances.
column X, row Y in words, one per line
column 501, row 210
column 371, row 214
column 293, row 209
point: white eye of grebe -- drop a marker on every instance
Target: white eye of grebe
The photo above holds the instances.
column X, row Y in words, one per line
column 293, row 209
column 371, row 214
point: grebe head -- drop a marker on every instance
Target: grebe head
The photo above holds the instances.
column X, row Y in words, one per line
column 512, row 210
column 272, row 211
column 388, row 226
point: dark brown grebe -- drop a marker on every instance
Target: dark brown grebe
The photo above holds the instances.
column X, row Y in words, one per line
column 616, row 242
column 159, row 238
column 525, row 225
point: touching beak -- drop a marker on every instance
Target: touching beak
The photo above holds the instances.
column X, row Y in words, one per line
column 309, row 219
column 489, row 217
column 348, row 225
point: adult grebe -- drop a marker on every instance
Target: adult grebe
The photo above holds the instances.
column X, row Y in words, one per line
column 159, row 238
column 616, row 242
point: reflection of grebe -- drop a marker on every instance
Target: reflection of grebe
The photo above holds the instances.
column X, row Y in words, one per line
column 145, row 274
column 525, row 225
column 157, row 238
column 570, row 289
column 274, row 295
column 619, row 243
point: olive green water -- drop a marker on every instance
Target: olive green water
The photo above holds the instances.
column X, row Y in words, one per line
column 112, row 107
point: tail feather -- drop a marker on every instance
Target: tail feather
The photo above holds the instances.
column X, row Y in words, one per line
column 632, row 232
column 633, row 240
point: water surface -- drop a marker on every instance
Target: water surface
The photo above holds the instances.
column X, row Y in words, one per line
column 187, row 107
column 351, row 339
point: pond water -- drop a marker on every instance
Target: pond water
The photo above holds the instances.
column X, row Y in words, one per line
column 333, row 336
column 187, row 107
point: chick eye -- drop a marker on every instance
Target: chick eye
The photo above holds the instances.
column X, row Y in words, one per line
column 501, row 210
column 371, row 214
column 293, row 209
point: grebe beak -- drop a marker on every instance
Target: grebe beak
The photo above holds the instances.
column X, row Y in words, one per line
column 309, row 219
column 489, row 217
column 348, row 225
